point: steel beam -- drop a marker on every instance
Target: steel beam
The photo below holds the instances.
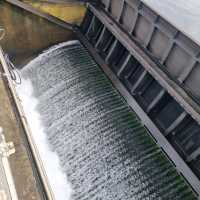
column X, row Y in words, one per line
column 173, row 88
column 160, row 139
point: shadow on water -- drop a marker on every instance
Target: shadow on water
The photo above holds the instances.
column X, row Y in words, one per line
column 27, row 35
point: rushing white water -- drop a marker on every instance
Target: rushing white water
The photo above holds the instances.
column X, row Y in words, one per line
column 92, row 144
column 58, row 180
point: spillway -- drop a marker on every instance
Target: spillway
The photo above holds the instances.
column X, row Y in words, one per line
column 103, row 148
column 114, row 116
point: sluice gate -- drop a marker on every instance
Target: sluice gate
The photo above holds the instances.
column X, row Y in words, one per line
column 159, row 67
column 155, row 67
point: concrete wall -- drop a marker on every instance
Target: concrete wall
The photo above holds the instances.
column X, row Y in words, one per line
column 70, row 12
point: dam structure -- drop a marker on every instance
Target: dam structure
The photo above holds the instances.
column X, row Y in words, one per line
column 107, row 101
column 103, row 148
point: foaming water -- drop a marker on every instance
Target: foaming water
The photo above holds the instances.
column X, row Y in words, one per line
column 57, row 178
column 103, row 149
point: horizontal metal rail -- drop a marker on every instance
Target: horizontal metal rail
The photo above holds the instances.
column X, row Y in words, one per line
column 8, row 191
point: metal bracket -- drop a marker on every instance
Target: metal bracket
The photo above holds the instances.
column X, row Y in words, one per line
column 6, row 148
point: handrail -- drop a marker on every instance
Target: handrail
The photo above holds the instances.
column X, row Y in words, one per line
column 6, row 149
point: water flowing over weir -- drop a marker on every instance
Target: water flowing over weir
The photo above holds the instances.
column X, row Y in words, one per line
column 102, row 146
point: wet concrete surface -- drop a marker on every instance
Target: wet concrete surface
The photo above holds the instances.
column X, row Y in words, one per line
column 26, row 36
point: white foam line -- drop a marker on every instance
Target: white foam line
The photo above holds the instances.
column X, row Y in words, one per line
column 60, row 45
column 50, row 50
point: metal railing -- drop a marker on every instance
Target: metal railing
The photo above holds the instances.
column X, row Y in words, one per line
column 7, row 186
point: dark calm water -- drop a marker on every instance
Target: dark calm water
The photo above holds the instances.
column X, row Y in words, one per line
column 103, row 148
column 27, row 34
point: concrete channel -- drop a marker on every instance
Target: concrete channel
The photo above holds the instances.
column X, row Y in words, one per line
column 161, row 89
